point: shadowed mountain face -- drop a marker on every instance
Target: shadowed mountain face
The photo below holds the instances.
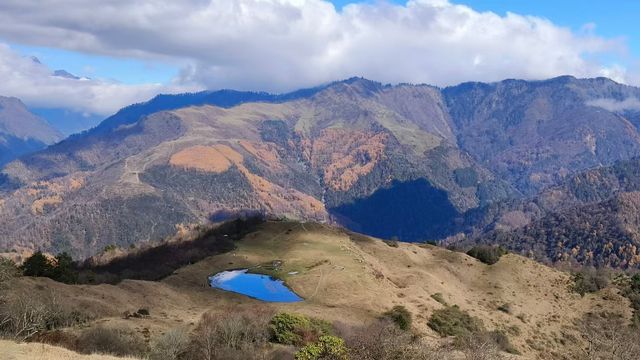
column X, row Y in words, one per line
column 423, row 212
column 22, row 132
column 411, row 161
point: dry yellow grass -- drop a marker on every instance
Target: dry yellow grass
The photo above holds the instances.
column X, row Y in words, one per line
column 355, row 279
column 31, row 351
column 215, row 159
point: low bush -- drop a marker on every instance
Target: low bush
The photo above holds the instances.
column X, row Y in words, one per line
column 392, row 243
column 505, row 308
column 37, row 265
column 229, row 335
column 296, row 329
column 590, row 281
column 632, row 292
column 607, row 336
column 23, row 315
column 61, row 269
column 173, row 345
column 383, row 340
column 439, row 298
column 327, row 347
column 487, row 254
column 479, row 347
column 400, row 316
column 8, row 271
column 112, row 341
column 502, row 341
column 451, row 321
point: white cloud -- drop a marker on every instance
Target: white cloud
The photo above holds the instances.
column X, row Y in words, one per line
column 613, row 105
column 219, row 279
column 279, row 45
column 35, row 84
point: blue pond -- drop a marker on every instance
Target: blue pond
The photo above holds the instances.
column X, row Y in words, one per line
column 257, row 286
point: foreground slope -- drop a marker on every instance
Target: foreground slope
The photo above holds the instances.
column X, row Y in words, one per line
column 353, row 279
column 31, row 351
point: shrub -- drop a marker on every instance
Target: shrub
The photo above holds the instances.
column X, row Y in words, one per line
column 173, row 345
column 392, row 243
column 487, row 254
column 479, row 347
column 400, row 316
column 607, row 336
column 505, row 308
column 451, row 321
column 296, row 329
column 383, row 340
column 502, row 341
column 634, row 284
column 37, row 265
column 590, row 281
column 219, row 336
column 23, row 315
column 327, row 347
column 632, row 292
column 62, row 269
column 439, row 298
column 113, row 341
column 8, row 271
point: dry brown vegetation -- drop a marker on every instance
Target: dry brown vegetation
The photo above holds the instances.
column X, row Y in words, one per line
column 345, row 278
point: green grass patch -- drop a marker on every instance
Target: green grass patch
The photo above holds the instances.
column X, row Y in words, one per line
column 451, row 321
column 296, row 329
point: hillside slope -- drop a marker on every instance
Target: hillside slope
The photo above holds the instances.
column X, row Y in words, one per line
column 590, row 219
column 429, row 162
column 319, row 158
column 353, row 279
column 535, row 133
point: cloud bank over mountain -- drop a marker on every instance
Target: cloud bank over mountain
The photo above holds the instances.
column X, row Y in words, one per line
column 39, row 86
column 279, row 45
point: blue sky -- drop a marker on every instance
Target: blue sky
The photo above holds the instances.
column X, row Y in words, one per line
column 131, row 51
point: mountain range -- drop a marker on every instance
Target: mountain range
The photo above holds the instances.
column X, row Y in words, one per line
column 413, row 162
column 21, row 131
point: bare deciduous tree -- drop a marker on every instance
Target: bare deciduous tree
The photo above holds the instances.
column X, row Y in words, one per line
column 608, row 337
column 173, row 345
